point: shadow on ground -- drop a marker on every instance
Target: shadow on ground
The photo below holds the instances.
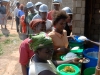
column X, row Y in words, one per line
column 22, row 36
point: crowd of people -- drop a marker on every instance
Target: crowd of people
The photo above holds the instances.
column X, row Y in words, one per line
column 47, row 34
column 24, row 14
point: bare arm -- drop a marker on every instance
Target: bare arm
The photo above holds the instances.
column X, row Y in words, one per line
column 74, row 60
column 94, row 42
column 58, row 62
column 24, row 69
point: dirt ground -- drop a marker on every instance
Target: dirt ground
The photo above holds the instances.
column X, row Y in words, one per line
column 9, row 60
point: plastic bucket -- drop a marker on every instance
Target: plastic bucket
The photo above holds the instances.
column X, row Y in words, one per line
column 89, row 71
column 93, row 60
column 62, row 66
column 76, row 42
column 95, row 46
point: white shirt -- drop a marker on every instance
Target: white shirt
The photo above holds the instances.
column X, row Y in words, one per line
column 36, row 68
column 16, row 10
column 48, row 22
column 70, row 24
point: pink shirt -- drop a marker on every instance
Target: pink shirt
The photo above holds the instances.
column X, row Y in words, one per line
column 25, row 52
column 50, row 14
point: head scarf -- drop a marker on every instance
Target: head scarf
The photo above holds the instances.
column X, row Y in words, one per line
column 41, row 40
column 35, row 22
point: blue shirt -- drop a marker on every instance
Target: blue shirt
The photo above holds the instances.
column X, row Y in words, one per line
column 20, row 13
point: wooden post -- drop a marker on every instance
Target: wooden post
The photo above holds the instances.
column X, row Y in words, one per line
column 98, row 64
column 97, row 72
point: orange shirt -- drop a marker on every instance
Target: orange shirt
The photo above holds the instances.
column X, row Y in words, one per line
column 24, row 28
column 58, row 39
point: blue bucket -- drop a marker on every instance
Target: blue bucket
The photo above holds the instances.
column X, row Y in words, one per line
column 75, row 42
column 95, row 46
column 93, row 60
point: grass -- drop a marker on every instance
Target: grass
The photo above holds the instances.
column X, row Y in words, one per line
column 1, row 35
column 1, row 50
column 7, row 41
column 8, row 44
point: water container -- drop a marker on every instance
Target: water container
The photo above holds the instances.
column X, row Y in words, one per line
column 73, row 43
column 93, row 60
column 76, row 42
column 89, row 71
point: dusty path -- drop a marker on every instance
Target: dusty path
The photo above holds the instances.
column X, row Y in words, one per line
column 9, row 64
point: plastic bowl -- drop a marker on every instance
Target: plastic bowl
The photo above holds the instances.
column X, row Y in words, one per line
column 77, row 51
column 62, row 57
column 60, row 67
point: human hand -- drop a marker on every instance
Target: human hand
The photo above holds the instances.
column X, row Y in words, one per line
column 75, row 60
column 72, row 36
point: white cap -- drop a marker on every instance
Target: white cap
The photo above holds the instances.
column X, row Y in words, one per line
column 67, row 10
column 29, row 5
column 43, row 8
column 38, row 3
column 57, row 1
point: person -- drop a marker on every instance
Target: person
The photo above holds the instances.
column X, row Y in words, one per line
column 68, row 26
column 43, row 10
column 56, row 4
column 37, row 5
column 3, row 19
column 59, row 35
column 16, row 15
column 32, row 13
column 37, row 25
column 24, row 23
column 41, row 62
column 20, row 13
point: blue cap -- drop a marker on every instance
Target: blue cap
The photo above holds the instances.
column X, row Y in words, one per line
column 67, row 10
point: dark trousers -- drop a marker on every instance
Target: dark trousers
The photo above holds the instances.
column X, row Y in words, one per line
column 17, row 24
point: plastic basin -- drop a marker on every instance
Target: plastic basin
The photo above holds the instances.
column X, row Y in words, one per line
column 77, row 51
column 61, row 57
column 93, row 60
column 60, row 67
column 89, row 71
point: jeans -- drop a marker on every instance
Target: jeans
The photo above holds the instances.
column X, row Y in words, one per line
column 17, row 24
column 27, row 70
